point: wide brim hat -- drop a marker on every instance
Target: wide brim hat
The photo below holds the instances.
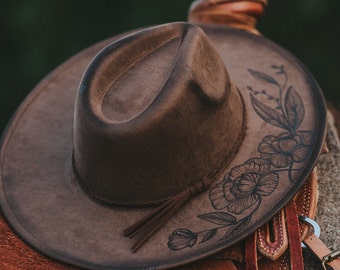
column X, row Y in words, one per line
column 47, row 201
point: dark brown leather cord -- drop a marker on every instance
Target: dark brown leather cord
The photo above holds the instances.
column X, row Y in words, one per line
column 241, row 14
column 151, row 223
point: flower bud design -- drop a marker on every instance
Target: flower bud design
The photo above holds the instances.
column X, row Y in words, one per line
column 182, row 238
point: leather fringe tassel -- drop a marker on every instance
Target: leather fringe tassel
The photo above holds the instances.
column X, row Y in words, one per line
column 152, row 222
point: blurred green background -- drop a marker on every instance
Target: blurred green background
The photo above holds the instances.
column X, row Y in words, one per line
column 38, row 35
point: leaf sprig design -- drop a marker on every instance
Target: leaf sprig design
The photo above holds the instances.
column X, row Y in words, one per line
column 289, row 111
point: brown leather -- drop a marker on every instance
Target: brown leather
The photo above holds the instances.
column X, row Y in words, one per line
column 210, row 265
column 242, row 14
column 16, row 255
column 273, row 246
column 320, row 250
column 251, row 252
column 293, row 230
column 272, row 237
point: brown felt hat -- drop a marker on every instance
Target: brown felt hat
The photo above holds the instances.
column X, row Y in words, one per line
column 219, row 123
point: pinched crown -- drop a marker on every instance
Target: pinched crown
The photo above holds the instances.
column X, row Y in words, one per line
column 155, row 112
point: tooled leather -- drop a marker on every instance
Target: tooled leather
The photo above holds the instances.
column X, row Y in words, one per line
column 273, row 246
column 307, row 199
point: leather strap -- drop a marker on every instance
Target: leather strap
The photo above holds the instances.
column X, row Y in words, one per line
column 221, row 264
column 152, row 222
column 320, row 250
column 293, row 230
column 272, row 239
column 251, row 252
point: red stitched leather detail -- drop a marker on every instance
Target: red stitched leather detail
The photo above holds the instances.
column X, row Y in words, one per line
column 273, row 246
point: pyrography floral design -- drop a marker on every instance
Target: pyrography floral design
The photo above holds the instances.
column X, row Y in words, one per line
column 286, row 148
column 244, row 186
column 239, row 195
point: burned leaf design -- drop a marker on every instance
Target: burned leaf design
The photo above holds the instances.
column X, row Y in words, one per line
column 219, row 218
column 262, row 76
column 294, row 108
column 210, row 234
column 242, row 224
column 268, row 114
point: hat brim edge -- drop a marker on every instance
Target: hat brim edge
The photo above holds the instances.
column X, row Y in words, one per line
column 40, row 246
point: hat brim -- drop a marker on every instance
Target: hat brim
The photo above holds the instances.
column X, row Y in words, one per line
column 43, row 202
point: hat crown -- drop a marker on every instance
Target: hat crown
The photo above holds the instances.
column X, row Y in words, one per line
column 149, row 113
